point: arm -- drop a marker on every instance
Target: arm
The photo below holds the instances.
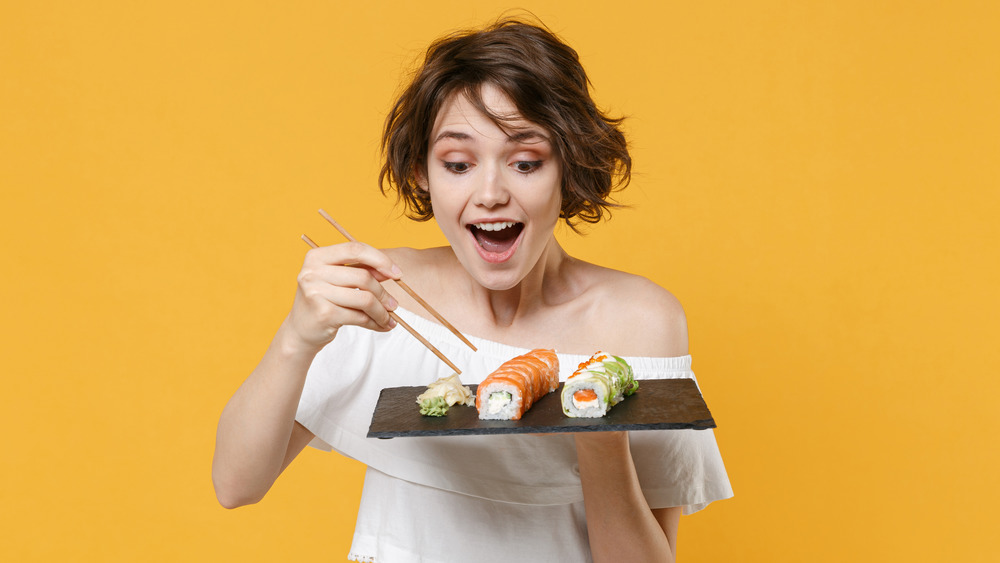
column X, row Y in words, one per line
column 254, row 439
column 257, row 436
column 620, row 524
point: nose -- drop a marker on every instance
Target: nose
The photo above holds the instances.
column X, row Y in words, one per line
column 491, row 189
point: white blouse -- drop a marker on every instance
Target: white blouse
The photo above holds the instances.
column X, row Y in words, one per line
column 480, row 498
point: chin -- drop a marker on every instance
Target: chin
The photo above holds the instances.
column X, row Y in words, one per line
column 498, row 285
column 498, row 281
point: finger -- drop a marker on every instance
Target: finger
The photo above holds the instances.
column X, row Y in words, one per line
column 354, row 278
column 329, row 294
column 334, row 307
column 344, row 317
column 364, row 321
column 379, row 276
column 362, row 301
column 355, row 253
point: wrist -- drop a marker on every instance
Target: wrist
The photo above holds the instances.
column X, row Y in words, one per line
column 290, row 345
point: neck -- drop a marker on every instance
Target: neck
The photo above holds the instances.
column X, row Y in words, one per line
column 543, row 285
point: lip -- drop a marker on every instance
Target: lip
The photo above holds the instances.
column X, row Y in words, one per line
column 495, row 257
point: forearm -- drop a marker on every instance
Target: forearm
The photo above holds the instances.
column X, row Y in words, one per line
column 620, row 523
column 256, row 424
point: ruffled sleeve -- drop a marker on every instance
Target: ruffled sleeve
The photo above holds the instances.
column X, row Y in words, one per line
column 675, row 467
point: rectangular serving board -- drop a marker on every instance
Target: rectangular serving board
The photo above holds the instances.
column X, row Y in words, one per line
column 659, row 404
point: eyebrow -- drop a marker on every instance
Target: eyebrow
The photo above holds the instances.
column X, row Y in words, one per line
column 453, row 135
column 525, row 136
column 519, row 137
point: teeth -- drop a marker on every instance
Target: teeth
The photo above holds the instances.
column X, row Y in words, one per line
column 495, row 226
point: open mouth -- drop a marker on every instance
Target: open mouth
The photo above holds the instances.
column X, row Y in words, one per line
column 497, row 238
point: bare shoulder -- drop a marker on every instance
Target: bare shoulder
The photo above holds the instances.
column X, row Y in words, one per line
column 415, row 262
column 405, row 256
column 423, row 269
column 646, row 319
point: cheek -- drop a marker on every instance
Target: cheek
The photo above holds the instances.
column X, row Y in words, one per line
column 446, row 204
column 555, row 197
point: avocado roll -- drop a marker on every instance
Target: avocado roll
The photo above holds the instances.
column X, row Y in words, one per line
column 597, row 385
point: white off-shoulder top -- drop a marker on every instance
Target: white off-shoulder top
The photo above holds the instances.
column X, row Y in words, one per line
column 480, row 498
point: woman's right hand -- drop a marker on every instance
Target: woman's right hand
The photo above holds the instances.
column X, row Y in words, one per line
column 332, row 294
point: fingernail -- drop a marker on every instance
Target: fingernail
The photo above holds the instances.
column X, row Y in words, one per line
column 392, row 322
column 391, row 305
column 396, row 271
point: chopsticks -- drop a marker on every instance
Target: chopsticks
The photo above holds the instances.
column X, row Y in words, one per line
column 413, row 294
column 403, row 324
column 403, row 286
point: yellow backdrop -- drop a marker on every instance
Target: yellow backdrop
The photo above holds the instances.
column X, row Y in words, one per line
column 816, row 181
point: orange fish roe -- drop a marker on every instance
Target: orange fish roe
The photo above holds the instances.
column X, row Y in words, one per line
column 586, row 363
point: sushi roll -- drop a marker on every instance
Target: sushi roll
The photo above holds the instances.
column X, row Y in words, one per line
column 508, row 392
column 597, row 385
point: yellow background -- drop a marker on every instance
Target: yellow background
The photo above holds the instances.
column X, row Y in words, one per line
column 816, row 181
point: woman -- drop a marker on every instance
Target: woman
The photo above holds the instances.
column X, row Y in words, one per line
column 497, row 139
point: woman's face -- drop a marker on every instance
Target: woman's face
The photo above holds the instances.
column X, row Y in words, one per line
column 496, row 195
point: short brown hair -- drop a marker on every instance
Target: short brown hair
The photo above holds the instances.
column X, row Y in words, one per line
column 544, row 79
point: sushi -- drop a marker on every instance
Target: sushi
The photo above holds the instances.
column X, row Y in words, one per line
column 597, row 385
column 508, row 392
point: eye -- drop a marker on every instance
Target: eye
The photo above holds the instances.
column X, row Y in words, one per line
column 457, row 167
column 527, row 166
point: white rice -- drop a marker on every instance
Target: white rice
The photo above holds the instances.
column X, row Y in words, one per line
column 506, row 412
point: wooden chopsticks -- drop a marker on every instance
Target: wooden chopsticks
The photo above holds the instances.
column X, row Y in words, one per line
column 413, row 294
column 404, row 287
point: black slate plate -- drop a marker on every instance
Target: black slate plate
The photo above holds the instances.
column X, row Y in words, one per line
column 658, row 404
